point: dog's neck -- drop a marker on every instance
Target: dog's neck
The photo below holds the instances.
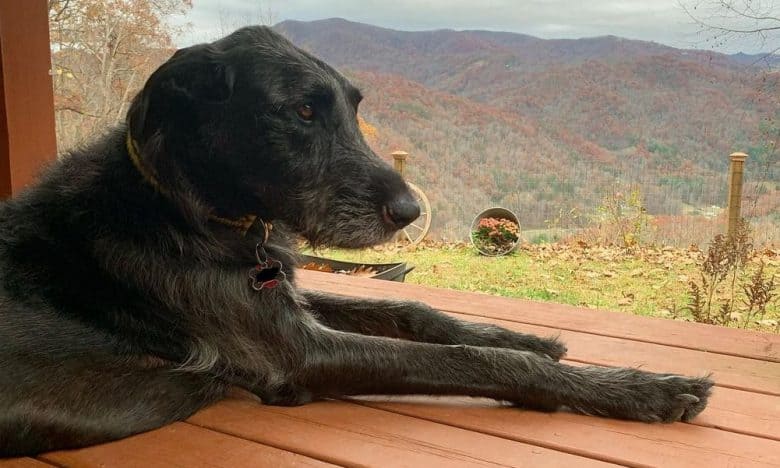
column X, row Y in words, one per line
column 242, row 225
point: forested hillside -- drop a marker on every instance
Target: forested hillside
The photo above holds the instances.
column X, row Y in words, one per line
column 544, row 126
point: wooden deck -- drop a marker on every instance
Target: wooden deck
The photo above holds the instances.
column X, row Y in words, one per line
column 740, row 428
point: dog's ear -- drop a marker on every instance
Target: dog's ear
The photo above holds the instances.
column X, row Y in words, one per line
column 195, row 75
column 199, row 73
column 136, row 114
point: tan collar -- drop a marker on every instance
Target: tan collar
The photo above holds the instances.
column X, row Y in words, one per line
column 242, row 224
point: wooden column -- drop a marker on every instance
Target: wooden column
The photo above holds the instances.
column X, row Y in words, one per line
column 399, row 161
column 27, row 134
column 736, row 170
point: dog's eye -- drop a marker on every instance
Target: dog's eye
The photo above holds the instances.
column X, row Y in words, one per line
column 305, row 113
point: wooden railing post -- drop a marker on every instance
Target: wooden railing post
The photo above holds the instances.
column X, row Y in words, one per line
column 27, row 135
column 399, row 161
column 736, row 170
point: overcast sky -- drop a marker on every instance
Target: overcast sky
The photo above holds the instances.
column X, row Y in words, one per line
column 651, row 20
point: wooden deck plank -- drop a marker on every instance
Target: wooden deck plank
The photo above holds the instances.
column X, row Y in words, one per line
column 744, row 412
column 181, row 445
column 731, row 371
column 626, row 442
column 763, row 346
column 23, row 463
column 350, row 434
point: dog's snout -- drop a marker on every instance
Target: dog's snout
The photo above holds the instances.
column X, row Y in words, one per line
column 402, row 210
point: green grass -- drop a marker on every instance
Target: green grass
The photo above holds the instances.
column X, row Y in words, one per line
column 652, row 282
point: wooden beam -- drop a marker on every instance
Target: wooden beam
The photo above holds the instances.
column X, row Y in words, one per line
column 27, row 133
column 736, row 171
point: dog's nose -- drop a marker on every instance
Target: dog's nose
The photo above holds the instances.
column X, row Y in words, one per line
column 402, row 211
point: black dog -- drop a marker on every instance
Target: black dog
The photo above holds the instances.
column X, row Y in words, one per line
column 150, row 271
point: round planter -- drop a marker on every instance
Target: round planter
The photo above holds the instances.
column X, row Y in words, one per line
column 495, row 212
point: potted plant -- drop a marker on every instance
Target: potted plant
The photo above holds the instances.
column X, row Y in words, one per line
column 495, row 232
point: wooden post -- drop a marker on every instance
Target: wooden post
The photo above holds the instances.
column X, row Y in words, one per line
column 27, row 134
column 399, row 161
column 735, row 190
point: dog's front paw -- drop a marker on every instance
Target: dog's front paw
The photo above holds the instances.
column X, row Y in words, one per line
column 673, row 398
column 644, row 396
column 493, row 336
column 547, row 347
column 553, row 348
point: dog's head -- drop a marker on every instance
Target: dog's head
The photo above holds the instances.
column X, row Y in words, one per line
column 253, row 125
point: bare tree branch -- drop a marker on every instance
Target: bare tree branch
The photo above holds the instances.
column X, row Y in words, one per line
column 77, row 111
column 722, row 19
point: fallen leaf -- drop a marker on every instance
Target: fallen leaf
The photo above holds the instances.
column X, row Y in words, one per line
column 314, row 266
column 362, row 271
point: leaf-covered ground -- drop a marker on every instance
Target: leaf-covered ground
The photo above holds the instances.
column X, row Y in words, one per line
column 651, row 281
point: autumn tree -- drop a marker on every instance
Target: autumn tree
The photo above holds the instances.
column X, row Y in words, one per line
column 258, row 12
column 369, row 131
column 102, row 51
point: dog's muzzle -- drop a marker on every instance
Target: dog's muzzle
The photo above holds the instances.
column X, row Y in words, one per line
column 401, row 211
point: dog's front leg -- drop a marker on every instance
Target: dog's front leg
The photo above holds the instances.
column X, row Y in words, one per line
column 418, row 322
column 337, row 363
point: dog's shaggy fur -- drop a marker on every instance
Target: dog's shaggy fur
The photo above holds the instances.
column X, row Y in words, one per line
column 126, row 305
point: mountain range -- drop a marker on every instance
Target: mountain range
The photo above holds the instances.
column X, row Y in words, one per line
column 545, row 127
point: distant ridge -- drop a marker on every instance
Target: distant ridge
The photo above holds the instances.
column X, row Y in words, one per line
column 544, row 125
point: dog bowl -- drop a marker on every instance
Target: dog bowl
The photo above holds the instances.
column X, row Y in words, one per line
column 383, row 271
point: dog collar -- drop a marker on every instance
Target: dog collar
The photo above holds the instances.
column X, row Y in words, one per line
column 267, row 272
column 242, row 224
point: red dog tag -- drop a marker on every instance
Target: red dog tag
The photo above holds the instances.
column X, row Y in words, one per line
column 267, row 274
